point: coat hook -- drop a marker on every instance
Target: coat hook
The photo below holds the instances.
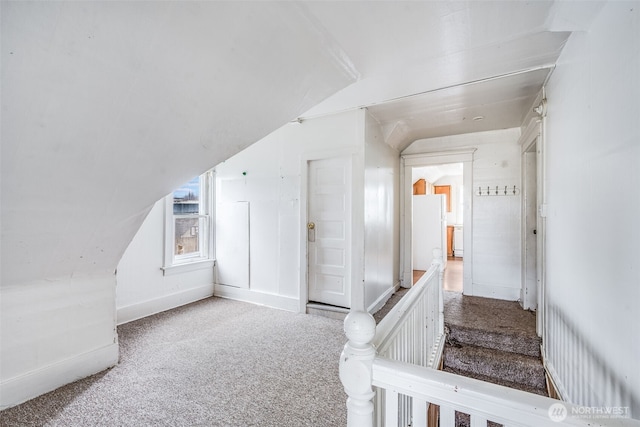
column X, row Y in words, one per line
column 514, row 189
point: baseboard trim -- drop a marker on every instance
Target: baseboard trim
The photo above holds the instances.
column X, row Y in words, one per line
column 554, row 385
column 382, row 299
column 260, row 298
column 40, row 381
column 133, row 312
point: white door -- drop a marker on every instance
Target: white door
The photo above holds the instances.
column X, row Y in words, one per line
column 329, row 231
column 429, row 230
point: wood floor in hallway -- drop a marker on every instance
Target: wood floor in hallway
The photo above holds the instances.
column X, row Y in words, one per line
column 452, row 275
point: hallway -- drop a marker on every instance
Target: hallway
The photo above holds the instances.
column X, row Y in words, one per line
column 452, row 275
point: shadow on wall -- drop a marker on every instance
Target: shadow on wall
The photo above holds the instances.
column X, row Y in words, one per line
column 593, row 374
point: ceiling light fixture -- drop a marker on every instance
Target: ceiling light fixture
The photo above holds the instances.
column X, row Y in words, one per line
column 478, row 118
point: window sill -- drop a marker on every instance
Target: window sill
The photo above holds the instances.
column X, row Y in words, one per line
column 188, row 267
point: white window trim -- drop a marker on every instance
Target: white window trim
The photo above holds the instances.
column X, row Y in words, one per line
column 173, row 265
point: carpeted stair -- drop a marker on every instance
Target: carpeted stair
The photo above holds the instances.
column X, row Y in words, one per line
column 493, row 341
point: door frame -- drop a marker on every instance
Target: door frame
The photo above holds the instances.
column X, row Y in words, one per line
column 534, row 135
column 357, row 211
column 529, row 190
column 407, row 163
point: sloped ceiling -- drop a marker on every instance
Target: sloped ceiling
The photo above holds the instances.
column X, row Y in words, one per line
column 108, row 106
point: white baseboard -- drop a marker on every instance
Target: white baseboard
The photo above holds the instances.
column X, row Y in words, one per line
column 261, row 298
column 496, row 292
column 382, row 299
column 163, row 303
column 32, row 384
column 552, row 374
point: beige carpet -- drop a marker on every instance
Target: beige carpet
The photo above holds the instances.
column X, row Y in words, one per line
column 212, row 363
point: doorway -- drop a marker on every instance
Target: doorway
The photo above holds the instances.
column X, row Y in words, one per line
column 329, row 231
column 408, row 163
column 437, row 220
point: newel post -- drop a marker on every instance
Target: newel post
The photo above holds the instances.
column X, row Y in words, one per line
column 356, row 363
column 439, row 261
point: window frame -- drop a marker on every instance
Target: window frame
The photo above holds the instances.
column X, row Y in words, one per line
column 204, row 258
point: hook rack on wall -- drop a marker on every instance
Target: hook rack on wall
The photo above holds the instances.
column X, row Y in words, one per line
column 498, row 191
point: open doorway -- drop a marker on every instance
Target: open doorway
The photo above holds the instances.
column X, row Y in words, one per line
column 411, row 161
column 438, row 220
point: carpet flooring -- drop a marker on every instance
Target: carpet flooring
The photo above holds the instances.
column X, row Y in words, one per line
column 215, row 362
column 494, row 341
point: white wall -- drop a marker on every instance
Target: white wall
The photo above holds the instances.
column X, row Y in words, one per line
column 107, row 107
column 55, row 332
column 381, row 217
column 592, row 162
column 496, row 219
column 142, row 287
column 272, row 186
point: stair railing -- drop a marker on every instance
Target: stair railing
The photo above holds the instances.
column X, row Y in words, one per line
column 390, row 380
column 412, row 332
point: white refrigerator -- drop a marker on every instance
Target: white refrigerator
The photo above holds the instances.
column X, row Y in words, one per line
column 429, row 229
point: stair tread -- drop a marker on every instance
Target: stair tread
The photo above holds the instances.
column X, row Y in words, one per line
column 491, row 323
column 503, row 366
column 508, row 341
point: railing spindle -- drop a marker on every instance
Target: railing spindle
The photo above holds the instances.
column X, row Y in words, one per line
column 447, row 416
column 419, row 412
column 391, row 409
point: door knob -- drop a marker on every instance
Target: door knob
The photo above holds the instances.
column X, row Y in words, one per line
column 311, row 226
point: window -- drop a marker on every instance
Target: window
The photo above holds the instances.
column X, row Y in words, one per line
column 188, row 225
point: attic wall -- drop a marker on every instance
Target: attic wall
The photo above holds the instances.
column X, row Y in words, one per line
column 592, row 157
column 267, row 175
column 54, row 332
column 107, row 107
column 142, row 287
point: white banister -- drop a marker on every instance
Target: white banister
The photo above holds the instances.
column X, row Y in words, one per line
column 412, row 331
column 389, row 378
column 355, row 368
column 482, row 400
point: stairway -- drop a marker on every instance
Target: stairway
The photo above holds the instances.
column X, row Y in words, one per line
column 494, row 341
